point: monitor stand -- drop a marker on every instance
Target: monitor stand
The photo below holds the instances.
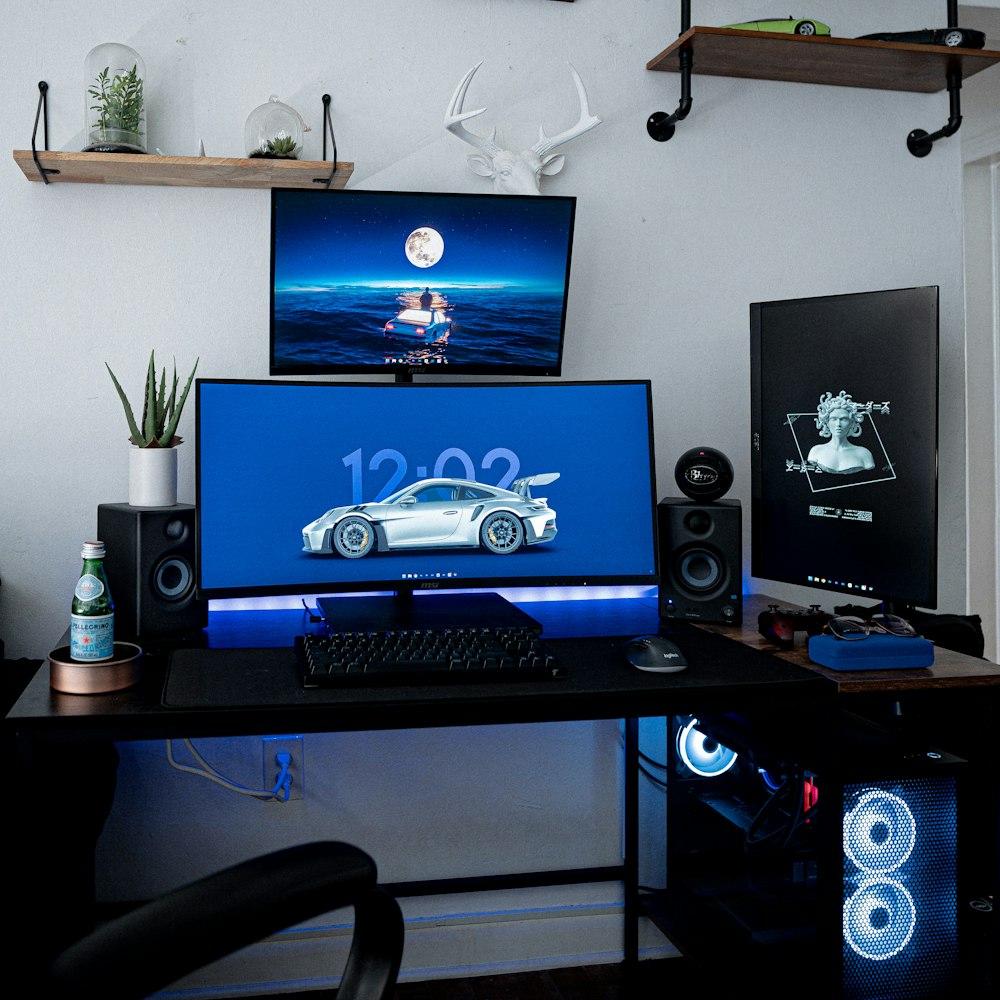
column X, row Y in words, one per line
column 889, row 607
column 406, row 610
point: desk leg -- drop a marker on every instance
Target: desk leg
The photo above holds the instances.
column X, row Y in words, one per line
column 631, row 842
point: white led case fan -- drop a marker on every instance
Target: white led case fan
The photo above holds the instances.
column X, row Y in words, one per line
column 900, row 901
column 701, row 754
column 879, row 832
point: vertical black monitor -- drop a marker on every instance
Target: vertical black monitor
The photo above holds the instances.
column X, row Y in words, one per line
column 844, row 399
column 416, row 282
column 393, row 487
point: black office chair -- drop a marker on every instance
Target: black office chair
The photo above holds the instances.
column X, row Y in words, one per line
column 157, row 943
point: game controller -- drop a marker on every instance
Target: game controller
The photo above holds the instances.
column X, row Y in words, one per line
column 779, row 625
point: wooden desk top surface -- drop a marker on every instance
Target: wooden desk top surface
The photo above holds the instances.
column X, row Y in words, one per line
column 950, row 669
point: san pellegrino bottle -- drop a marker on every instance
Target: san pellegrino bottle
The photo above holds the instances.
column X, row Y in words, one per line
column 92, row 618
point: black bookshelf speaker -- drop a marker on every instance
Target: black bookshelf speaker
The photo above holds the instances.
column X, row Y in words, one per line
column 150, row 564
column 700, row 547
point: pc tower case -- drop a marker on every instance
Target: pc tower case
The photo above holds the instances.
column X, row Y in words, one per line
column 840, row 874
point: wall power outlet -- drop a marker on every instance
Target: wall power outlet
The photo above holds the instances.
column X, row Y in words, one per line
column 295, row 747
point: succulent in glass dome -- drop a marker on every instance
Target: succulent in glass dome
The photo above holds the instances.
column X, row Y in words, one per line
column 281, row 147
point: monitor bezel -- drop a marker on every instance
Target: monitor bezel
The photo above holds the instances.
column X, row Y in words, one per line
column 408, row 369
column 395, row 586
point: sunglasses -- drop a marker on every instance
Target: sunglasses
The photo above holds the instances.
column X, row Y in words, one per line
column 851, row 628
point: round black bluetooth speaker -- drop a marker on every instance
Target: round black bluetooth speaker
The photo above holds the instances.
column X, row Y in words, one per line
column 703, row 474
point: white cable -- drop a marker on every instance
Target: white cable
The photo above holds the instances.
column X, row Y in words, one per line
column 208, row 771
column 280, row 792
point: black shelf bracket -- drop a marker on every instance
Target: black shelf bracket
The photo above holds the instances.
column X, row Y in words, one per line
column 660, row 126
column 328, row 127
column 919, row 142
column 42, row 112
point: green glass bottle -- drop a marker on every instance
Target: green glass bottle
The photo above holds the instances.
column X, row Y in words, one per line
column 92, row 617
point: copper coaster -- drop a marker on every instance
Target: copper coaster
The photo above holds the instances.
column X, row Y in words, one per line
column 73, row 677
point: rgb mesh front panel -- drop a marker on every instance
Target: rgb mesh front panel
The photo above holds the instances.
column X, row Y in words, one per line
column 900, row 901
column 827, row 860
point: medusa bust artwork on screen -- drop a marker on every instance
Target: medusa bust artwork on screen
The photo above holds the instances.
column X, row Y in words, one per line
column 843, row 486
column 839, row 419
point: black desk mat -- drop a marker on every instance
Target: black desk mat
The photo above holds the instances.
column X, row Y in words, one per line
column 254, row 677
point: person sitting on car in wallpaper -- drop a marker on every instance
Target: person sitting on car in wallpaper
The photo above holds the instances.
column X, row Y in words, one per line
column 839, row 418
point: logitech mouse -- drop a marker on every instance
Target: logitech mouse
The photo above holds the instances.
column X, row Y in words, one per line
column 655, row 653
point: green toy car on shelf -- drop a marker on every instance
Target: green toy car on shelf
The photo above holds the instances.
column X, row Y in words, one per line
column 786, row 25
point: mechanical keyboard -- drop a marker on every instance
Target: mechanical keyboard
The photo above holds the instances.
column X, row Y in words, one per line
column 425, row 656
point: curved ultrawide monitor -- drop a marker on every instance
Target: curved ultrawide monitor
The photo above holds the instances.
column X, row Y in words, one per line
column 316, row 487
column 413, row 282
column 844, row 393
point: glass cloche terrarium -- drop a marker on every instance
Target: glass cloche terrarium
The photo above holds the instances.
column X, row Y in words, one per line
column 274, row 131
column 115, row 100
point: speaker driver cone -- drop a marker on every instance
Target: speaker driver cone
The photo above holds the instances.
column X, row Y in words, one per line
column 700, row 570
column 173, row 579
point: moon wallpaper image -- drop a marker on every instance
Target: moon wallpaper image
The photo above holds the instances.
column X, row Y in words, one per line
column 366, row 279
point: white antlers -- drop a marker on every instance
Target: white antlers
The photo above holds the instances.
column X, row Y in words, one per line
column 514, row 173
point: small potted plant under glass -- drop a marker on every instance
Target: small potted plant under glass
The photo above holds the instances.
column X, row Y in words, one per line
column 115, row 100
column 152, row 479
column 274, row 131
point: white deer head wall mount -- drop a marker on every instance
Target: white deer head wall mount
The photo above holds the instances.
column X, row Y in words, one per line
column 514, row 172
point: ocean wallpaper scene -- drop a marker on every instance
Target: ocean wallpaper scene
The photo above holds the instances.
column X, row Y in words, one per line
column 492, row 269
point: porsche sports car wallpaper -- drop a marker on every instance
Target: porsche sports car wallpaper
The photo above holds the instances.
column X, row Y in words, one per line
column 471, row 283
column 438, row 513
column 316, row 487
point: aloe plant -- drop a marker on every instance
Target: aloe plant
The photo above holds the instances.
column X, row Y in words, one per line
column 160, row 412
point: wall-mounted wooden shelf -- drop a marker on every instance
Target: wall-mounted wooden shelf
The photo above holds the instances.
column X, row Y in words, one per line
column 838, row 62
column 181, row 171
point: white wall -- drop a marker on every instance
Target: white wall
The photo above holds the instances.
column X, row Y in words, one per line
column 767, row 191
column 980, row 141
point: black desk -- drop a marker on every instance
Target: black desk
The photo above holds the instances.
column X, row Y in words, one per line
column 196, row 697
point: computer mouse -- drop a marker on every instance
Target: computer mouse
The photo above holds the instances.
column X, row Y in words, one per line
column 655, row 653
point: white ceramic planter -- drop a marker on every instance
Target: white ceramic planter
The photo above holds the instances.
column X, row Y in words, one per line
column 152, row 477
